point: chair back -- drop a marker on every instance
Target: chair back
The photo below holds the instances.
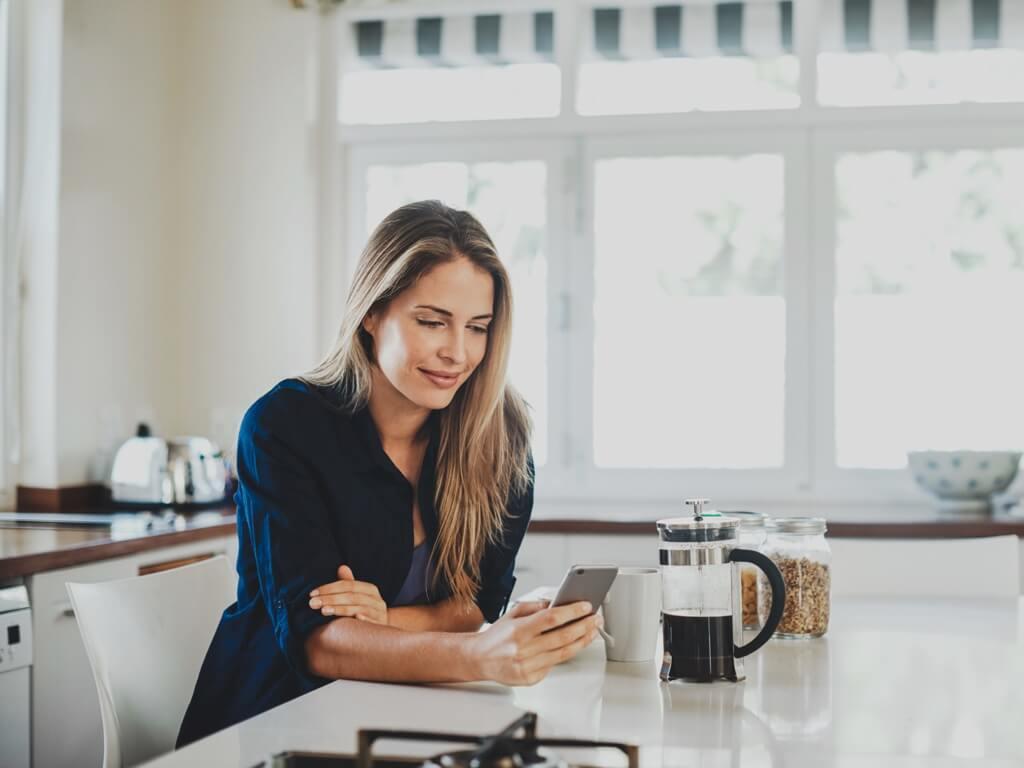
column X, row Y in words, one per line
column 146, row 638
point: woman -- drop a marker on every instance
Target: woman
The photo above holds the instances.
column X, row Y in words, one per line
column 383, row 497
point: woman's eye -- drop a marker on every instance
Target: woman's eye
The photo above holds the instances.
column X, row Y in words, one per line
column 478, row 329
column 430, row 323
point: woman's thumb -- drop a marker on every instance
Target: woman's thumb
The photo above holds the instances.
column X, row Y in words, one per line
column 345, row 573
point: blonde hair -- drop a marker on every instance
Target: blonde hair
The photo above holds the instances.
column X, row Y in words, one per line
column 483, row 455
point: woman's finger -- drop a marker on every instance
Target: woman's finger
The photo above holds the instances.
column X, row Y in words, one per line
column 345, row 598
column 558, row 638
column 341, row 610
column 518, row 610
column 542, row 662
column 550, row 619
column 337, row 587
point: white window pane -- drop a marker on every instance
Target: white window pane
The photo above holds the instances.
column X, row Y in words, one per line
column 689, row 338
column 682, row 85
column 510, row 201
column 382, row 96
column 920, row 77
column 930, row 304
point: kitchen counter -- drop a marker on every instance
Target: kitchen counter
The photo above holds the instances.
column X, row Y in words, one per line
column 895, row 682
column 34, row 547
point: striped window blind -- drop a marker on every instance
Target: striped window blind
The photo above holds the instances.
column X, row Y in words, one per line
column 760, row 28
column 756, row 28
column 455, row 41
column 928, row 25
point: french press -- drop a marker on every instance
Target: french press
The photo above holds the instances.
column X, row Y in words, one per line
column 702, row 618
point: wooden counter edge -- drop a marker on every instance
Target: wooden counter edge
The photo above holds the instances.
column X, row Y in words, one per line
column 106, row 549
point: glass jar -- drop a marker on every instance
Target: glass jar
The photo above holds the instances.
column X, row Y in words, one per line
column 798, row 547
column 752, row 535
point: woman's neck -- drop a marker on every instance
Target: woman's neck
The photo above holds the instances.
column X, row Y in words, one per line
column 399, row 421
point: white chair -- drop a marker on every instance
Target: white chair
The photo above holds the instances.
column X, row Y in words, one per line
column 146, row 638
column 983, row 567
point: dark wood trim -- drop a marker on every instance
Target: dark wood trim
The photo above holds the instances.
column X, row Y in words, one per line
column 68, row 498
column 933, row 528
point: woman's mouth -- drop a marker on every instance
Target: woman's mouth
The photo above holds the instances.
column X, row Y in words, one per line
column 440, row 378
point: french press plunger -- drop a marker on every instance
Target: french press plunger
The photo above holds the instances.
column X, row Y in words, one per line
column 702, row 616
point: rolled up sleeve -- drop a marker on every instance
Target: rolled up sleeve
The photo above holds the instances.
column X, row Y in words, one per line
column 497, row 568
column 294, row 545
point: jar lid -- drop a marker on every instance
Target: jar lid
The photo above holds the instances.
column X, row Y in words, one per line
column 692, row 529
column 802, row 525
column 747, row 518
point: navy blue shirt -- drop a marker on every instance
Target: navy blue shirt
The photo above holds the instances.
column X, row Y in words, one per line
column 316, row 490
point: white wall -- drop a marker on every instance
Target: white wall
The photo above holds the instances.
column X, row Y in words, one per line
column 246, row 266
column 176, row 277
column 119, row 227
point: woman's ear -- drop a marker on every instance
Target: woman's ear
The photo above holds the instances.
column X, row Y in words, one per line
column 370, row 323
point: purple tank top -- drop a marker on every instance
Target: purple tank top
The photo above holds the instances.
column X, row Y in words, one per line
column 414, row 590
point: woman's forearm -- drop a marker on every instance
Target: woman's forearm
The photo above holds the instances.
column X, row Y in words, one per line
column 445, row 616
column 359, row 650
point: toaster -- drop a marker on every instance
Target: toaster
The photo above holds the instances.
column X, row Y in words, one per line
column 180, row 471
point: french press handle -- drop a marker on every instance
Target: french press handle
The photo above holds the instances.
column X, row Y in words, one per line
column 778, row 586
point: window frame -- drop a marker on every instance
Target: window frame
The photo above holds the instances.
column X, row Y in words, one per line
column 809, row 136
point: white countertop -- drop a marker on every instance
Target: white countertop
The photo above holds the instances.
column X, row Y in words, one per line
column 896, row 682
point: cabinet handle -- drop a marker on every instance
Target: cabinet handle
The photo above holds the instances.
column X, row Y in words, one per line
column 66, row 611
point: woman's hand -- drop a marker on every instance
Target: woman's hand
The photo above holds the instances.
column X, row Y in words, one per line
column 348, row 597
column 522, row 646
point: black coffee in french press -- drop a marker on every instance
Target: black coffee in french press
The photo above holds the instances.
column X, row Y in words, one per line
column 701, row 603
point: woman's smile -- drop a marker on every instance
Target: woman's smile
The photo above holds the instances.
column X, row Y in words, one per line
column 440, row 378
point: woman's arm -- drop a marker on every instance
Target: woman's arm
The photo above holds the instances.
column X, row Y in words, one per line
column 444, row 616
column 520, row 648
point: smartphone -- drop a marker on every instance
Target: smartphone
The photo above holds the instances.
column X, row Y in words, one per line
column 586, row 582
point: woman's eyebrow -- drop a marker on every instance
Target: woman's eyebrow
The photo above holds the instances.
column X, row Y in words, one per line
column 446, row 313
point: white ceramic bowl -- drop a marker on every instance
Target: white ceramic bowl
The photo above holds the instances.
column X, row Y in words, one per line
column 964, row 480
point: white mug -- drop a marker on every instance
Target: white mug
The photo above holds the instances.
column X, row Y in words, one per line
column 631, row 611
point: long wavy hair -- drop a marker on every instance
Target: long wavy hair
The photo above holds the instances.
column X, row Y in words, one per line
column 483, row 455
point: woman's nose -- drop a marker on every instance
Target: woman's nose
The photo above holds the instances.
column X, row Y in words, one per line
column 455, row 348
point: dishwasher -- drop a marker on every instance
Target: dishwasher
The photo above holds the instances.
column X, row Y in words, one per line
column 15, row 681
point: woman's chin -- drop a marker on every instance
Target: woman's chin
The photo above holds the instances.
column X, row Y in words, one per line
column 434, row 400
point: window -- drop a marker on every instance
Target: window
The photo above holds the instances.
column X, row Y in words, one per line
column 761, row 249
column 692, row 56
column 920, row 51
column 688, row 259
column 930, row 303
column 461, row 67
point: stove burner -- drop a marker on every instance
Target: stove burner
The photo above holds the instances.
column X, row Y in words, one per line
column 502, row 750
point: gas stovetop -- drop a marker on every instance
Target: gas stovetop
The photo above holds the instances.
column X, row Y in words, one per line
column 517, row 746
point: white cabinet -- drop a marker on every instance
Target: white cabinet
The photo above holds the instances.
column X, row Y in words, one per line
column 632, row 549
column 541, row 562
column 66, row 727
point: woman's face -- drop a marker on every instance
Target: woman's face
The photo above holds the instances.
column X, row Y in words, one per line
column 430, row 338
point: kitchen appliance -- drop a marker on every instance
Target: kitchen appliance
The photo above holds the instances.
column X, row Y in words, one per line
column 702, row 615
column 15, row 677
column 501, row 750
column 181, row 471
